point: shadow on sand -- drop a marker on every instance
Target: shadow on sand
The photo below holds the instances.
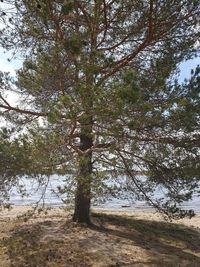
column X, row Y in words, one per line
column 172, row 244
column 112, row 241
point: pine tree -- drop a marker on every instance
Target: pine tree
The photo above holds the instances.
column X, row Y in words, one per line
column 98, row 73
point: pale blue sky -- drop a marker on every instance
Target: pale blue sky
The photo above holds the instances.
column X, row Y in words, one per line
column 7, row 66
column 186, row 66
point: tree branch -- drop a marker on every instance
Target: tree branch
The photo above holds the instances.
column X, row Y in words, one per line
column 22, row 111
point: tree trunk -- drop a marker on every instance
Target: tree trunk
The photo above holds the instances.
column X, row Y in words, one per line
column 83, row 190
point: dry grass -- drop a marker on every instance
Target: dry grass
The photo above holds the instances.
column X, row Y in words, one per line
column 114, row 240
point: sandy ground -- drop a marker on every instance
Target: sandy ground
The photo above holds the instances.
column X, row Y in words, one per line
column 117, row 239
column 140, row 214
column 153, row 216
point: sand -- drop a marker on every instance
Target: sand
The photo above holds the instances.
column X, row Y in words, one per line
column 137, row 238
column 139, row 214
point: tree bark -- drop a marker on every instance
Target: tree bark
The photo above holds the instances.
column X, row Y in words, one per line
column 83, row 190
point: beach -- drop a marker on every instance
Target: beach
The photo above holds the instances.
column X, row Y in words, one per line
column 117, row 238
column 145, row 214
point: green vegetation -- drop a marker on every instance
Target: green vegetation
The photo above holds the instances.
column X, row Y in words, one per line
column 97, row 93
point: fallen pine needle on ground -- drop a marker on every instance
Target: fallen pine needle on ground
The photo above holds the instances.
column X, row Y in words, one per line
column 115, row 239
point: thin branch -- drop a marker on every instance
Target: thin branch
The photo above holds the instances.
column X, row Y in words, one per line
column 124, row 61
column 129, row 173
column 4, row 100
column 22, row 111
column 150, row 23
column 105, row 23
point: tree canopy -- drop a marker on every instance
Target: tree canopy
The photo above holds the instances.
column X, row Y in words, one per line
column 98, row 100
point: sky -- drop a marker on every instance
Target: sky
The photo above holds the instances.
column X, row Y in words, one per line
column 7, row 66
column 186, row 66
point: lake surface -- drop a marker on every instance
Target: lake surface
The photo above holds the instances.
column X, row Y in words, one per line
column 53, row 199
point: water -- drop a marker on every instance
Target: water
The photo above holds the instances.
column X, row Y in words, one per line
column 53, row 199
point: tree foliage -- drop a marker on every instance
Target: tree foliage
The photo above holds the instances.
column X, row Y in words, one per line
column 98, row 75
